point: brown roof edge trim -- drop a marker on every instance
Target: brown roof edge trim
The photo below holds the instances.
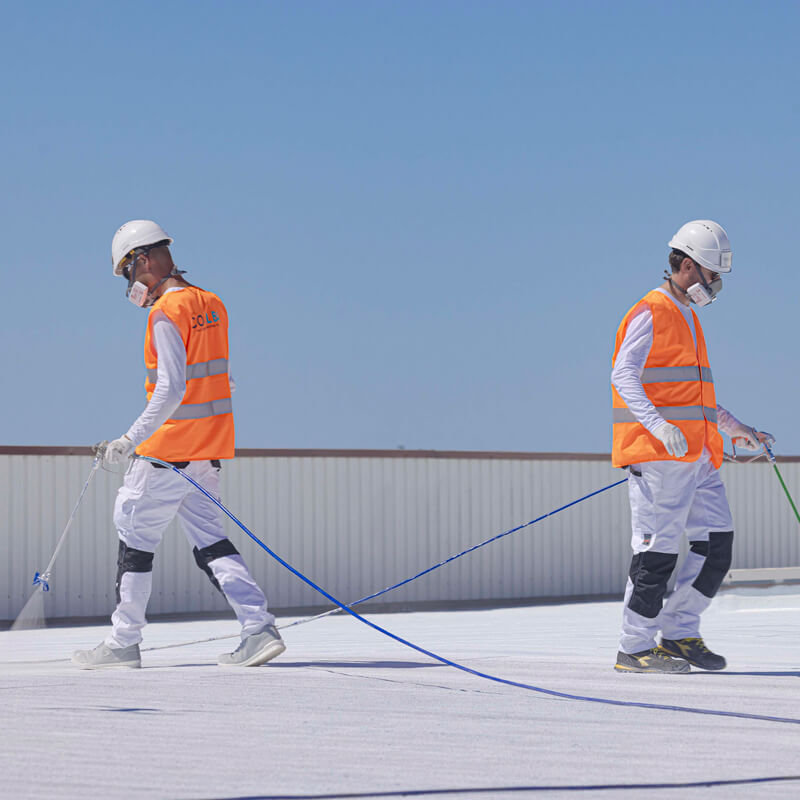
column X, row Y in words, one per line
column 14, row 450
column 507, row 455
column 25, row 450
column 444, row 454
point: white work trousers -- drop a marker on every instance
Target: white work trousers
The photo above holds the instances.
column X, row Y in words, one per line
column 668, row 499
column 149, row 499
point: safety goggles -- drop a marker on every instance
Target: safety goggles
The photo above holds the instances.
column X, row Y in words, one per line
column 128, row 265
column 129, row 262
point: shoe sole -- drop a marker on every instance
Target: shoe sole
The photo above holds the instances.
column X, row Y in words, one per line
column 619, row 668
column 267, row 653
column 693, row 663
column 124, row 664
column 625, row 668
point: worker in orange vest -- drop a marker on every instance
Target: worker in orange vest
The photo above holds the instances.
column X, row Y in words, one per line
column 188, row 421
column 666, row 423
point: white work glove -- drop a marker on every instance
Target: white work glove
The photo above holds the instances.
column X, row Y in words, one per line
column 749, row 438
column 118, row 451
column 671, row 436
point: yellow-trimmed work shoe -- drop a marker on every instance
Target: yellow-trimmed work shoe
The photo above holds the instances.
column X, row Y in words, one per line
column 693, row 650
column 652, row 660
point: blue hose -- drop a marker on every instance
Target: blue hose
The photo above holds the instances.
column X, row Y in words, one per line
column 447, row 661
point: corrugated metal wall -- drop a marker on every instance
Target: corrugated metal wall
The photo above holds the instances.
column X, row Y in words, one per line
column 356, row 522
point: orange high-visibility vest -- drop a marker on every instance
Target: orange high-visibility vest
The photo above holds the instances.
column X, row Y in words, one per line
column 677, row 379
column 202, row 426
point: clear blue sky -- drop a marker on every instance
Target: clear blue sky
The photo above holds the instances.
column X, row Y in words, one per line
column 426, row 218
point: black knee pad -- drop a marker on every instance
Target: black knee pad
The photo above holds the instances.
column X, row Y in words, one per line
column 224, row 547
column 649, row 574
column 129, row 559
column 718, row 551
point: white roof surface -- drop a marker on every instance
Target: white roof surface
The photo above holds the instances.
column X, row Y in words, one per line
column 347, row 712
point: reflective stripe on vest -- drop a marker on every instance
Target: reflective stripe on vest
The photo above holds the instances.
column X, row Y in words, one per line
column 678, row 413
column 676, row 374
column 202, row 369
column 202, row 410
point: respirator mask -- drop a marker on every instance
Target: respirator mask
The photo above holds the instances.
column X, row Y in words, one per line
column 703, row 292
column 137, row 292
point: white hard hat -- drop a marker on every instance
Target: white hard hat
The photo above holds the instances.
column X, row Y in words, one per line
column 706, row 243
column 133, row 234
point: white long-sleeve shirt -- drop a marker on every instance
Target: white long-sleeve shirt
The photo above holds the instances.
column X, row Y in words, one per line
column 170, row 377
column 629, row 365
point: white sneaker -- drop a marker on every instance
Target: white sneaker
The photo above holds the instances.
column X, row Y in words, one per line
column 105, row 657
column 258, row 648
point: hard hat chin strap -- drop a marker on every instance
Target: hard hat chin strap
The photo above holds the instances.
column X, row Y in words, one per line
column 674, row 286
column 176, row 273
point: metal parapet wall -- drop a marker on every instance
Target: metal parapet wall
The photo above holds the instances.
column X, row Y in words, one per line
column 356, row 521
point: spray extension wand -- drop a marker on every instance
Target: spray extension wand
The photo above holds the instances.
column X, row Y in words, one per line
column 767, row 451
column 42, row 578
column 31, row 614
column 774, row 461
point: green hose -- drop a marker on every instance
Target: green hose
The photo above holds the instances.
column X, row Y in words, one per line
column 773, row 461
